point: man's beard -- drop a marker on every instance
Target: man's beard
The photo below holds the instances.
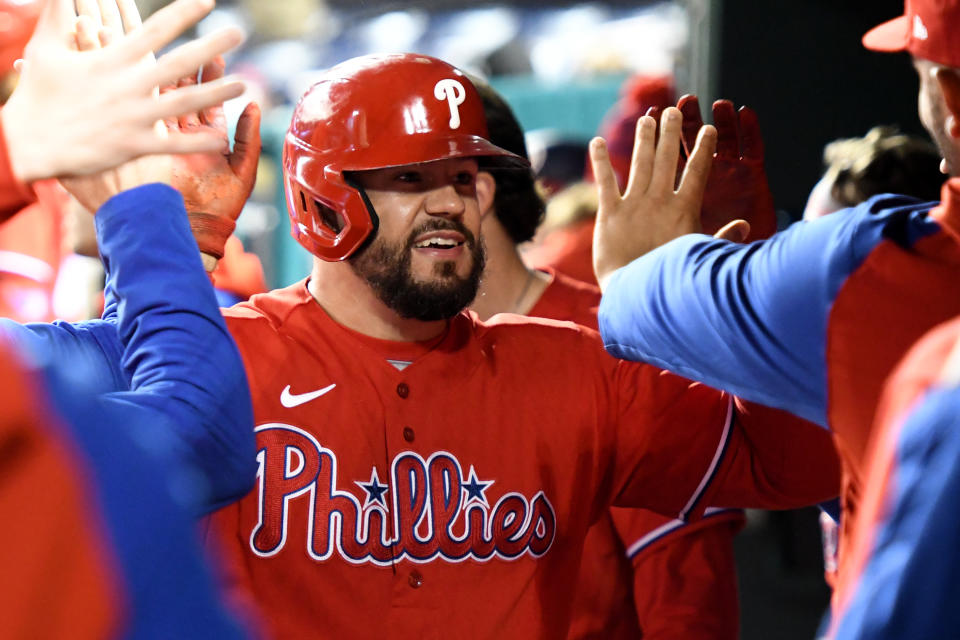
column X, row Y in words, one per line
column 387, row 268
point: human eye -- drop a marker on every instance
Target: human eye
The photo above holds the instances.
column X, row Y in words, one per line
column 465, row 178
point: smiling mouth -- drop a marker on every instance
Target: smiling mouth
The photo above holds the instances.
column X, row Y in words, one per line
column 438, row 243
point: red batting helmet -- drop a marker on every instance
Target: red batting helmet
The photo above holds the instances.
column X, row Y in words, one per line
column 369, row 113
column 18, row 18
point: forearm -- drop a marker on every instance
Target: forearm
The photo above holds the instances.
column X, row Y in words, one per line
column 775, row 461
column 177, row 352
column 748, row 319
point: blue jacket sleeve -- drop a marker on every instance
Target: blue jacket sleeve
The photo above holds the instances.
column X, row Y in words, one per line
column 178, row 356
column 85, row 353
column 749, row 319
column 909, row 587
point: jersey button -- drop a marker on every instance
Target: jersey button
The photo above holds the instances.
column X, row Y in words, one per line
column 403, row 390
column 408, row 434
column 415, row 579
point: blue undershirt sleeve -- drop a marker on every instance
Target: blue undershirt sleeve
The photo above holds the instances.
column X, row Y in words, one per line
column 177, row 353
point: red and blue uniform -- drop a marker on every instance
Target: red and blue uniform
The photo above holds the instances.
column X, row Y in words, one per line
column 99, row 460
column 155, row 283
column 812, row 320
column 902, row 580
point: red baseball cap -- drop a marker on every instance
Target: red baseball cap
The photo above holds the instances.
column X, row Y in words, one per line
column 926, row 30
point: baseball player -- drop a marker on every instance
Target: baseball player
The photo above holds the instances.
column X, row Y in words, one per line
column 215, row 445
column 423, row 474
column 902, row 577
column 668, row 566
column 814, row 319
column 98, row 540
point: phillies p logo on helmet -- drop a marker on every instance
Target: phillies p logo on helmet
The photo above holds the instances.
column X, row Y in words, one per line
column 454, row 93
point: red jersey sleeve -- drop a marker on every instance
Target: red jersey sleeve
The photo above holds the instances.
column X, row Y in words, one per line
column 669, row 438
column 775, row 461
column 681, row 446
column 684, row 574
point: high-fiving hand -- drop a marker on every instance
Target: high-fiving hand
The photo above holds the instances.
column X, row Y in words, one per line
column 215, row 186
column 737, row 187
column 80, row 112
column 654, row 208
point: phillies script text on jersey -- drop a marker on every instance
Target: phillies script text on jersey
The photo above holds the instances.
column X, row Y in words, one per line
column 434, row 509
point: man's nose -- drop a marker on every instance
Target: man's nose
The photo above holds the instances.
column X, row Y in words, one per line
column 444, row 201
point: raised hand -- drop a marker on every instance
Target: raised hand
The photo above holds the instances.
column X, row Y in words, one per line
column 737, row 187
column 79, row 112
column 215, row 186
column 654, row 208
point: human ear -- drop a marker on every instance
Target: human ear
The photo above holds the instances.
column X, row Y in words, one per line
column 486, row 189
column 949, row 82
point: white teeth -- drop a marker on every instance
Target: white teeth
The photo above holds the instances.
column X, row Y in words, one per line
column 436, row 242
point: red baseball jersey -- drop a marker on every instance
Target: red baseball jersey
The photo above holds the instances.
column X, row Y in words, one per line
column 444, row 489
column 640, row 566
column 568, row 250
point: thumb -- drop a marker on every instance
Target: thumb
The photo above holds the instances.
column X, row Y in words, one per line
column 246, row 144
column 734, row 231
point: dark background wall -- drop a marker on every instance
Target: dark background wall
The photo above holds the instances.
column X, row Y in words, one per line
column 801, row 65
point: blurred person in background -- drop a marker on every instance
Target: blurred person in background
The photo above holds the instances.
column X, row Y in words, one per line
column 99, row 539
column 883, row 161
column 566, row 244
column 641, row 574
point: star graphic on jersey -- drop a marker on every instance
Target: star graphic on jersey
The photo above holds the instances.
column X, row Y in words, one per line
column 475, row 489
column 374, row 490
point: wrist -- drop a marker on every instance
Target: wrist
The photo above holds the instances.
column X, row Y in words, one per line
column 20, row 153
column 211, row 232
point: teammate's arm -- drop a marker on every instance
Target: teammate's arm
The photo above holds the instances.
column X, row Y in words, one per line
column 750, row 319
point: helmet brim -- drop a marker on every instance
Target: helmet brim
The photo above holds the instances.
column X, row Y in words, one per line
column 405, row 152
column 893, row 35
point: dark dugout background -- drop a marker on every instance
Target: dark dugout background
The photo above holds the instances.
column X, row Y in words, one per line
column 802, row 67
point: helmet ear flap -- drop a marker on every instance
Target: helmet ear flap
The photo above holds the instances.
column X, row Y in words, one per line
column 332, row 219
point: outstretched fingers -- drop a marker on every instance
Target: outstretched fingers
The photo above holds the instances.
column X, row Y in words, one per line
column 697, row 172
column 129, row 15
column 728, row 137
column 213, row 116
column 195, row 98
column 165, row 26
column 689, row 106
column 246, row 145
column 664, row 174
column 644, row 150
column 608, row 191
column 188, row 58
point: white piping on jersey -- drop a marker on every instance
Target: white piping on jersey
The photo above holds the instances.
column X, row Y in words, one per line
column 27, row 266
column 669, row 527
column 718, row 454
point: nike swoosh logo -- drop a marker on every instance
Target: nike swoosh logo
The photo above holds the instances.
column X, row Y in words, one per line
column 291, row 400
